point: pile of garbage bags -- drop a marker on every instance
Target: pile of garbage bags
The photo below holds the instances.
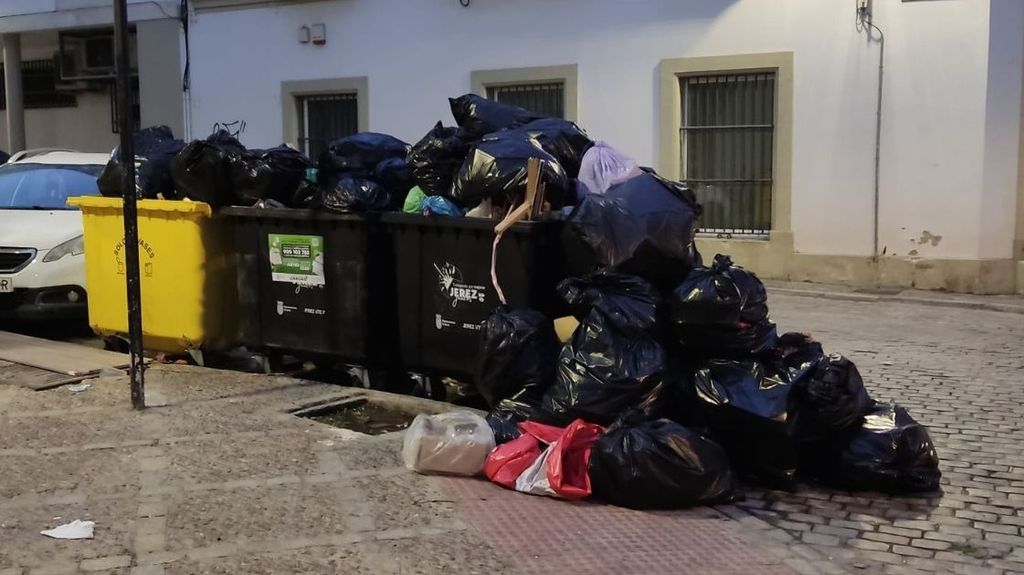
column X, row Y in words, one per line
column 671, row 396
column 477, row 168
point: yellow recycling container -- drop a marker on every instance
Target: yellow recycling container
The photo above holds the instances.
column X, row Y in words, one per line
column 187, row 264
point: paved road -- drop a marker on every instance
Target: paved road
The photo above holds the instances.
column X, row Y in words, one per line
column 961, row 372
column 221, row 481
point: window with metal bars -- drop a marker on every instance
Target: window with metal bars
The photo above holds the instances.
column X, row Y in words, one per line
column 546, row 98
column 39, row 86
column 325, row 118
column 727, row 149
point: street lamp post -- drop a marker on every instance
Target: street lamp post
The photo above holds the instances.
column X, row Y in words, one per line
column 126, row 125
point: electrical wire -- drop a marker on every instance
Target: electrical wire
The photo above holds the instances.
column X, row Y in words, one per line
column 186, row 76
column 160, row 7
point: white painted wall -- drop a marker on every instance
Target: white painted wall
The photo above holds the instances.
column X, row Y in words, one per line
column 86, row 127
column 416, row 54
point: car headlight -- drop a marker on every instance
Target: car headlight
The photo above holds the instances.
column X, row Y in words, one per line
column 72, row 247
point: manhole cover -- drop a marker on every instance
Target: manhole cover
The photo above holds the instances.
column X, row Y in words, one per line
column 360, row 415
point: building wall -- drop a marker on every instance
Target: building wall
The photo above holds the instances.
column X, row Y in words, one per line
column 939, row 119
column 86, row 127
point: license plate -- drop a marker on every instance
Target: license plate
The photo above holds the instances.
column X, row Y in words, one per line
column 6, row 285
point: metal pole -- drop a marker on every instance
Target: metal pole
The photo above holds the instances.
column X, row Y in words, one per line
column 13, row 88
column 126, row 123
column 878, row 132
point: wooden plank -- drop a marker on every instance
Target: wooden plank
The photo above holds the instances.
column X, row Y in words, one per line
column 57, row 356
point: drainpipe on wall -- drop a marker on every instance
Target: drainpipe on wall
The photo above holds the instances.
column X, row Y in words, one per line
column 13, row 91
column 864, row 21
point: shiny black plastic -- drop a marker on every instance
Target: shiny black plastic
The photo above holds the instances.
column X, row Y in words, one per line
column 828, row 399
column 274, row 173
column 436, row 159
column 349, row 195
column 641, row 226
column 202, row 170
column 360, row 153
column 890, row 452
column 478, row 116
column 155, row 150
column 746, row 406
column 613, row 361
column 629, row 302
column 564, row 140
column 658, row 464
column 505, row 417
column 519, row 351
column 722, row 311
column 495, row 169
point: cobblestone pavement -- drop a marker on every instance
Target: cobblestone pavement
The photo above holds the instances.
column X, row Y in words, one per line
column 217, row 479
column 961, row 373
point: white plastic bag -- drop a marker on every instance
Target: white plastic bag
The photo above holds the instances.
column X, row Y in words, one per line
column 534, row 480
column 453, row 443
column 603, row 166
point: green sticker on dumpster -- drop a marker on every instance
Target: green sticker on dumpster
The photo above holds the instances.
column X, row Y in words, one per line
column 297, row 259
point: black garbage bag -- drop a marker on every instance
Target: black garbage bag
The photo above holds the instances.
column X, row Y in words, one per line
column 747, row 408
column 519, row 351
column 658, row 464
column 308, row 195
column 890, row 452
column 349, row 195
column 436, row 159
column 722, row 311
column 613, row 361
column 796, row 353
column 827, row 399
column 505, row 417
column 629, row 302
column 202, row 170
column 495, row 169
column 155, row 150
column 641, row 226
column 395, row 176
column 478, row 116
column 564, row 140
column 272, row 174
column 359, row 154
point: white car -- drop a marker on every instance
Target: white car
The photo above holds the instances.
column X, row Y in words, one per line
column 42, row 269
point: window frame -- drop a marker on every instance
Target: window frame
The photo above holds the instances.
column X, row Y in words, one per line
column 45, row 69
column 303, row 139
column 670, row 121
column 292, row 92
column 567, row 74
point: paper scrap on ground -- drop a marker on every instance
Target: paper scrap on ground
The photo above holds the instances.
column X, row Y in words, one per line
column 77, row 529
column 79, row 388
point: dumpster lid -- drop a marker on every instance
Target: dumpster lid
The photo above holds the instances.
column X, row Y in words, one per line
column 293, row 214
column 180, row 206
column 461, row 223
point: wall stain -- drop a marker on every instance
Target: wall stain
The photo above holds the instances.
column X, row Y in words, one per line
column 928, row 237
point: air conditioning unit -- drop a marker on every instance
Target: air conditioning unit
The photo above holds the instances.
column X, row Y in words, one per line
column 89, row 55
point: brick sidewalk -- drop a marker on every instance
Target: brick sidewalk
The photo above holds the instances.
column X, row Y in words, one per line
column 222, row 480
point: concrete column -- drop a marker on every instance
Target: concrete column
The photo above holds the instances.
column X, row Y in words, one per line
column 161, row 99
column 13, row 91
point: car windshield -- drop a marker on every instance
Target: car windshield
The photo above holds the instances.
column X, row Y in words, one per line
column 45, row 186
